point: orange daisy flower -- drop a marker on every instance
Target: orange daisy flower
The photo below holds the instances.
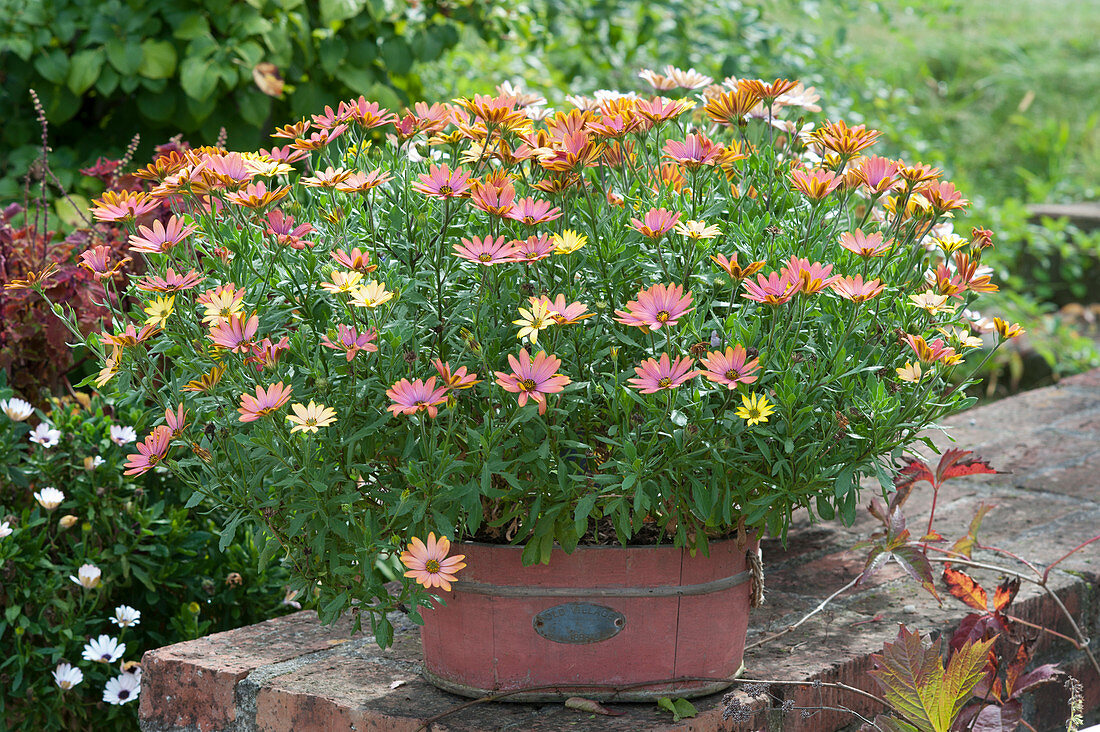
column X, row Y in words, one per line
column 429, row 564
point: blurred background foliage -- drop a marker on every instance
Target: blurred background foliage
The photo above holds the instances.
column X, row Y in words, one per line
column 997, row 94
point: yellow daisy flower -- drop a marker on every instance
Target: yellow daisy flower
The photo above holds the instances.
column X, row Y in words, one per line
column 910, row 372
column 311, row 417
column 568, row 242
column 159, row 309
column 754, row 408
column 534, row 320
column 371, row 295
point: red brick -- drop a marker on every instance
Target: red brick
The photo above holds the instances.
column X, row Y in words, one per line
column 193, row 683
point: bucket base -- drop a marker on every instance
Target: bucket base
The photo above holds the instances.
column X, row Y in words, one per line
column 596, row 693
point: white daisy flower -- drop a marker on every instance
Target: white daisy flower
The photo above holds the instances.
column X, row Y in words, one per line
column 5, row 529
column 87, row 576
column 66, row 676
column 45, row 435
column 17, row 409
column 49, row 498
column 104, row 649
column 122, row 689
column 125, row 616
column 121, row 435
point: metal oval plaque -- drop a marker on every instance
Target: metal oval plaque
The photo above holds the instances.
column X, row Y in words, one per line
column 578, row 622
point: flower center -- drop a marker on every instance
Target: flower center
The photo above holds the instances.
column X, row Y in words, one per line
column 431, row 566
column 528, row 384
column 446, row 190
column 733, row 375
column 123, row 694
column 665, row 382
column 106, row 658
column 486, row 257
column 662, row 316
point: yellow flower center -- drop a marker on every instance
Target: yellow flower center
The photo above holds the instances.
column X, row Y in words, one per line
column 431, row 566
column 665, row 382
column 446, row 190
column 732, row 374
column 486, row 257
column 662, row 316
column 528, row 384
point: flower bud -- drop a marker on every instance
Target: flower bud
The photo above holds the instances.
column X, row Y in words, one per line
column 67, row 521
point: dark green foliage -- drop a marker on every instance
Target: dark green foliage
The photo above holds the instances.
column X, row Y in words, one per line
column 108, row 70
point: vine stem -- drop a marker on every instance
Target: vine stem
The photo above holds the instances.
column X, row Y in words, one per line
column 821, row 606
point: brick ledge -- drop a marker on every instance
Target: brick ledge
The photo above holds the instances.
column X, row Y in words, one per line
column 292, row 674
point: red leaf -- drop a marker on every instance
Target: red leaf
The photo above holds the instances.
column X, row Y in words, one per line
column 963, row 586
column 1040, row 675
column 955, row 463
column 1019, row 663
column 932, row 537
column 994, row 718
column 1006, row 593
column 914, row 471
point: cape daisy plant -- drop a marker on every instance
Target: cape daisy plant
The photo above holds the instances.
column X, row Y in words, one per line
column 513, row 325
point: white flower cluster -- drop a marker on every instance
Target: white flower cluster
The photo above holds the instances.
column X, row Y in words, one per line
column 106, row 649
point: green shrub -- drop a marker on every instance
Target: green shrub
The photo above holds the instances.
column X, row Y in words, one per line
column 107, row 70
column 156, row 556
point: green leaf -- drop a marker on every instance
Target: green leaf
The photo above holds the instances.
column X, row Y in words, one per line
column 680, row 708
column 158, row 107
column 198, row 77
column 158, row 59
column 53, row 66
column 917, row 686
column 336, row 10
column 254, row 106
column 84, row 70
column 397, row 56
column 71, row 208
column 193, row 26
column 125, row 55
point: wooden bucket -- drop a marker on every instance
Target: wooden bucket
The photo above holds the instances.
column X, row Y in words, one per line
column 611, row 623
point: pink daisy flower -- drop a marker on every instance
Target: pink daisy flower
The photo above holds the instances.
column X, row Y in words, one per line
column 654, row 375
column 123, row 205
column 281, row 226
column 695, row 151
column 810, row 279
column 266, row 354
column 97, row 260
column 656, row 223
column 486, row 250
column 351, row 341
column 863, row 244
column 531, row 212
column 562, row 313
column 160, row 238
column 771, row 290
column 730, row 368
column 358, row 260
column 441, row 182
column 533, row 379
column 266, row 401
column 235, row 333
column 459, row 379
column 171, row 282
column 410, row 397
column 150, row 451
column 657, row 306
column 533, row 248
column 176, row 420
column 855, row 289
column 429, row 564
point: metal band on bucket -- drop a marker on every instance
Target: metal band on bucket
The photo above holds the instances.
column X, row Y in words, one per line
column 705, row 588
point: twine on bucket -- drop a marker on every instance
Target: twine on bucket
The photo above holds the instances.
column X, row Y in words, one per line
column 756, row 567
